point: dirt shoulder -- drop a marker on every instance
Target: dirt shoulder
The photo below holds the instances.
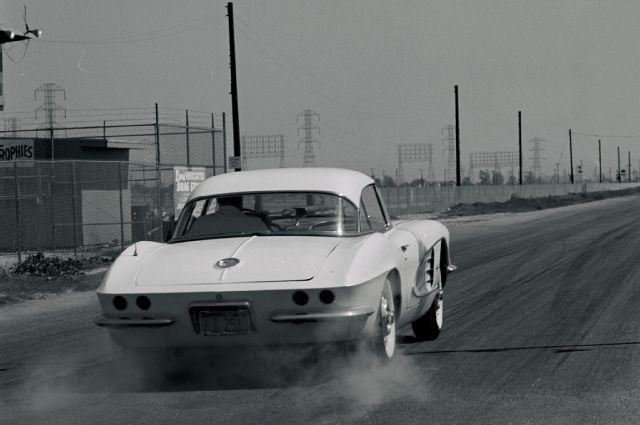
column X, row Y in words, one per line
column 42, row 276
column 15, row 288
column 516, row 204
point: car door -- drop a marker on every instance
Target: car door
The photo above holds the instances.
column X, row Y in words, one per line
column 373, row 218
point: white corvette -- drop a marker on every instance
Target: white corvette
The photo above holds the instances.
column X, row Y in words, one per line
column 282, row 256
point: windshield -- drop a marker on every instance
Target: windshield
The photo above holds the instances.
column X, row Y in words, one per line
column 272, row 213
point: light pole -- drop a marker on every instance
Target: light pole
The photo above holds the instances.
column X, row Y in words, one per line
column 10, row 36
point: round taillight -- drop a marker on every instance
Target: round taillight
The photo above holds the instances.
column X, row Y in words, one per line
column 327, row 296
column 120, row 302
column 300, row 297
column 143, row 302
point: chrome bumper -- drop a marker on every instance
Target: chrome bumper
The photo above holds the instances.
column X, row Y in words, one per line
column 354, row 313
column 112, row 322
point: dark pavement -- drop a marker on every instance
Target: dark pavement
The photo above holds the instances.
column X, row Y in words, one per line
column 542, row 326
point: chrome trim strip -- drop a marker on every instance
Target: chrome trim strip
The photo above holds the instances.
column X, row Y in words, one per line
column 122, row 322
column 354, row 313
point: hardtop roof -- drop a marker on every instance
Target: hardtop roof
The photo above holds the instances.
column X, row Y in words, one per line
column 346, row 183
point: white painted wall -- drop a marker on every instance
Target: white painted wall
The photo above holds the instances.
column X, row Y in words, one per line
column 402, row 200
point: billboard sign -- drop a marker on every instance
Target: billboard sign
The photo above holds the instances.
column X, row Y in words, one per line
column 185, row 180
column 16, row 150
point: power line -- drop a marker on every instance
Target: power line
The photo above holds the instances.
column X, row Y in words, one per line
column 307, row 84
column 609, row 136
column 145, row 36
column 24, row 54
column 309, row 73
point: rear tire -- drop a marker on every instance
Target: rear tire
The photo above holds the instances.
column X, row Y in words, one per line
column 429, row 326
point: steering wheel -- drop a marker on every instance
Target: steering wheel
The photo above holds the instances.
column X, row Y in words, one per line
column 250, row 211
column 323, row 223
column 288, row 212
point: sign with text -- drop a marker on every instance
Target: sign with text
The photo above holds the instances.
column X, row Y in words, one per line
column 185, row 180
column 235, row 162
column 16, row 150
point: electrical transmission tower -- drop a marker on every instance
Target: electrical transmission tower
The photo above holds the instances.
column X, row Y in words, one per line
column 495, row 160
column 415, row 153
column 537, row 157
column 50, row 107
column 449, row 149
column 264, row 146
column 308, row 127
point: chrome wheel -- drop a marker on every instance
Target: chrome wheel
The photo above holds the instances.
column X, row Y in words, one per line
column 383, row 342
column 388, row 324
column 439, row 313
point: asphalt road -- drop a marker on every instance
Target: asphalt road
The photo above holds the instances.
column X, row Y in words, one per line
column 542, row 326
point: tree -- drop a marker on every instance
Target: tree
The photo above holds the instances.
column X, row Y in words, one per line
column 497, row 178
column 388, row 181
column 417, row 183
column 485, row 177
column 528, row 178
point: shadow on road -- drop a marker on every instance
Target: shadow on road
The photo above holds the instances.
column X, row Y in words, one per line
column 207, row 371
column 556, row 348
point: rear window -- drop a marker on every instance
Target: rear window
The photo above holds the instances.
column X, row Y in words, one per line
column 272, row 213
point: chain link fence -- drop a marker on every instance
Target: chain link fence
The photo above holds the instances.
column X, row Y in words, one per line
column 83, row 207
column 81, row 186
column 150, row 136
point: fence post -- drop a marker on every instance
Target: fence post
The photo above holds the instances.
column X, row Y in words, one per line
column 17, row 198
column 158, row 170
column 213, row 145
column 187, row 134
column 224, row 141
column 409, row 196
column 73, row 208
column 157, row 137
column 121, row 214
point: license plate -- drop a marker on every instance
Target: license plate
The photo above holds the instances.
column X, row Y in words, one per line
column 225, row 322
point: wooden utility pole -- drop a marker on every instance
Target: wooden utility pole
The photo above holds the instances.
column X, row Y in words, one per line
column 570, row 157
column 600, row 159
column 629, row 169
column 520, row 143
column 458, row 183
column 619, row 176
column 234, row 88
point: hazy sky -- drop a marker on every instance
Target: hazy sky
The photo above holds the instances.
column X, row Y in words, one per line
column 378, row 73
